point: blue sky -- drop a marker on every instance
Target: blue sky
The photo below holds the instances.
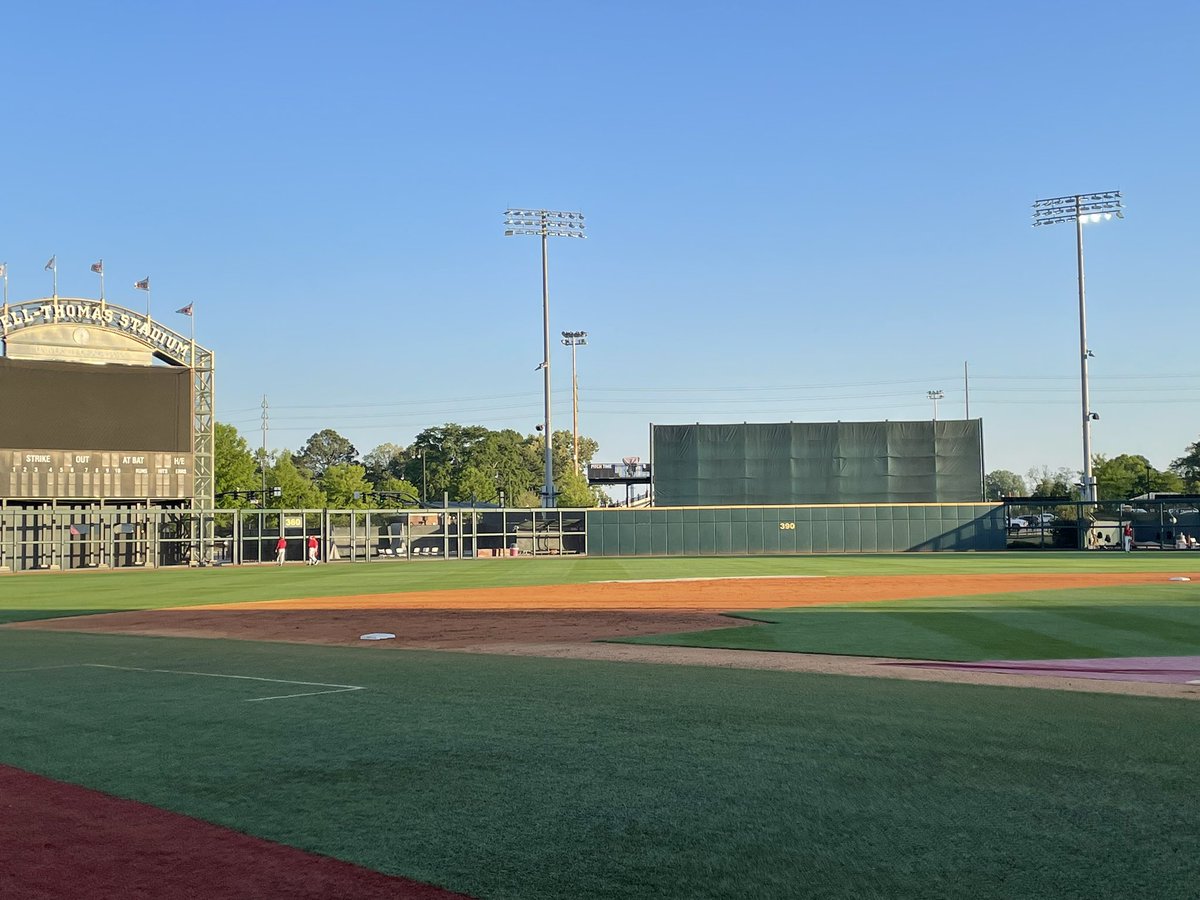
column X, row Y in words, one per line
column 796, row 211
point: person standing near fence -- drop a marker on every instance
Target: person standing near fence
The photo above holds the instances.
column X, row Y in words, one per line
column 1127, row 537
column 280, row 550
column 312, row 551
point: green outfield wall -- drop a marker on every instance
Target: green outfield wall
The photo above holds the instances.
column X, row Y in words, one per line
column 765, row 530
column 818, row 462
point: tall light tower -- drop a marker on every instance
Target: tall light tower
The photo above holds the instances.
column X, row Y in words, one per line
column 1081, row 208
column 935, row 396
column 546, row 223
column 574, row 339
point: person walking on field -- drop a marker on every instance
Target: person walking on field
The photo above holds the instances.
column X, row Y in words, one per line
column 312, row 551
column 280, row 550
column 1127, row 536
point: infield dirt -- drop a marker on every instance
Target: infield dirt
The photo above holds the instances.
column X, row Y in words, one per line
column 567, row 621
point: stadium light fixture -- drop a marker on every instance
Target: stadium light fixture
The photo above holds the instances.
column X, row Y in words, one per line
column 545, row 223
column 574, row 339
column 1080, row 209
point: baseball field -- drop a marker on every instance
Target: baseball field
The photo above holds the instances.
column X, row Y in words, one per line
column 907, row 725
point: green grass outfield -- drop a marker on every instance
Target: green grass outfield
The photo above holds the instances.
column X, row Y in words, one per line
column 1081, row 623
column 529, row 778
column 42, row 595
column 537, row 778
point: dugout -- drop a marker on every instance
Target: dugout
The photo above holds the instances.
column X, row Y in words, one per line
column 796, row 463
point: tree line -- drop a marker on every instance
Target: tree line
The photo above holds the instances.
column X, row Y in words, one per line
column 1124, row 476
column 472, row 463
column 466, row 463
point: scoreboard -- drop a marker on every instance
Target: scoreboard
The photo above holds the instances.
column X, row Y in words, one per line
column 83, row 431
column 95, row 474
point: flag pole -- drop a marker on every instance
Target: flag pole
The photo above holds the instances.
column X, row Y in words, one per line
column 98, row 268
column 53, row 267
column 190, row 312
column 144, row 285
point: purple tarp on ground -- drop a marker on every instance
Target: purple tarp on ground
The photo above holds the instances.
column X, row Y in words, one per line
column 1163, row 669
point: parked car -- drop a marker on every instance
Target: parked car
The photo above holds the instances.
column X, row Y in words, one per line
column 1032, row 520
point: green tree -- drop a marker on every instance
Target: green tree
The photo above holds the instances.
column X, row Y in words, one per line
column 572, row 490
column 475, row 484
column 395, row 492
column 386, row 460
column 564, row 451
column 1003, row 483
column 340, row 483
column 1187, row 467
column 506, row 457
column 470, row 461
column 439, row 456
column 297, row 490
column 324, row 449
column 1129, row 475
column 1056, row 483
column 234, row 466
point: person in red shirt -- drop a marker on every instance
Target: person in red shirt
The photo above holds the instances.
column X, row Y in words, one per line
column 312, row 551
column 280, row 550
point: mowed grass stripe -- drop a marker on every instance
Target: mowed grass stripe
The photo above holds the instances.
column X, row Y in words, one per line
column 1079, row 623
column 1165, row 623
column 527, row 778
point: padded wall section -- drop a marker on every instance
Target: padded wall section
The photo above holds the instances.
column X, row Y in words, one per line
column 771, row 531
column 823, row 462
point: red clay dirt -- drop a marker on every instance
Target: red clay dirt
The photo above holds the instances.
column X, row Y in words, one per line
column 64, row 841
column 569, row 621
column 548, row 614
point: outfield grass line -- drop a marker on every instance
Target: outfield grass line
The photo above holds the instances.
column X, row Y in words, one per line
column 40, row 668
column 340, row 688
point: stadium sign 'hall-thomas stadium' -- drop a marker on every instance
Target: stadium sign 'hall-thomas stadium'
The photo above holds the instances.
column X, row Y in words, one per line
column 79, row 343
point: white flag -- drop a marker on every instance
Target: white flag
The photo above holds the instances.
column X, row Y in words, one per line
column 53, row 264
column 3, row 270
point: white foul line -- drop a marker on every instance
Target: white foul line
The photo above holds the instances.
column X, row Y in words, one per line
column 339, row 688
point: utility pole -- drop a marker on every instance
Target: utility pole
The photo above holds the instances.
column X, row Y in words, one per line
column 262, row 453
